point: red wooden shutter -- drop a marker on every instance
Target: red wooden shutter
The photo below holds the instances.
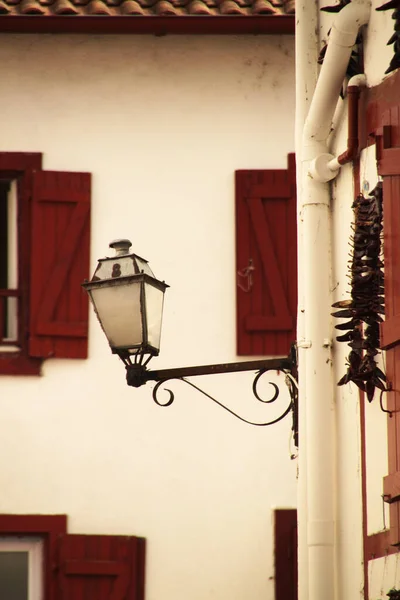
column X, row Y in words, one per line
column 286, row 554
column 101, row 567
column 59, row 264
column 388, row 148
column 266, row 260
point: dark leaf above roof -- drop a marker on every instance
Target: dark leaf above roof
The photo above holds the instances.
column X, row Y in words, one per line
column 167, row 16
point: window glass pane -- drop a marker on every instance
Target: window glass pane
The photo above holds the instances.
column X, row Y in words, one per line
column 11, row 324
column 12, row 251
column 14, row 575
column 8, row 260
column 4, row 189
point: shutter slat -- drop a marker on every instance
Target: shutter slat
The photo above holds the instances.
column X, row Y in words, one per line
column 101, row 567
column 92, row 567
column 261, row 323
column 77, row 329
column 391, row 487
column 269, row 259
column 62, row 266
column 273, row 188
column 266, row 240
column 59, row 264
column 389, row 163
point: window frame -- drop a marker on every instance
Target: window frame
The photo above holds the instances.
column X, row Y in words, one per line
column 49, row 528
column 34, row 546
column 20, row 166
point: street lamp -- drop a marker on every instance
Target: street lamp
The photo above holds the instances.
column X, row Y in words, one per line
column 128, row 301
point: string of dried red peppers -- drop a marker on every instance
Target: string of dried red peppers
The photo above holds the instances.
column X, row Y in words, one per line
column 367, row 296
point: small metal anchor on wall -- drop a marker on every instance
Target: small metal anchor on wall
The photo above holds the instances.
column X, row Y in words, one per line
column 247, row 275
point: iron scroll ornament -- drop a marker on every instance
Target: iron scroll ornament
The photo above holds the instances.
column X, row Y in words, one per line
column 137, row 375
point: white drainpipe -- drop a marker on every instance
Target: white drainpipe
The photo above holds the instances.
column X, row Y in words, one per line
column 317, row 404
column 307, row 68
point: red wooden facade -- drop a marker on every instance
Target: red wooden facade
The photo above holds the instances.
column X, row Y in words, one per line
column 388, row 153
column 266, row 260
column 381, row 125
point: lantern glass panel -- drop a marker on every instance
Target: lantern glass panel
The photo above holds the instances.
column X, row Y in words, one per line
column 154, row 308
column 119, row 310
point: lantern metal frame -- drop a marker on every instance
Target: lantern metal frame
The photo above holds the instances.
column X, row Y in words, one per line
column 137, row 375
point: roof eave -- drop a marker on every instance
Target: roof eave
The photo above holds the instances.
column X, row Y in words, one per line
column 193, row 25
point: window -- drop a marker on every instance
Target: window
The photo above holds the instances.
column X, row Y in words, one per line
column 54, row 564
column 21, row 568
column 44, row 257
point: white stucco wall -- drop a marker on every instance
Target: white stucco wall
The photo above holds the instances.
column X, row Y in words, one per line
column 383, row 575
column 161, row 123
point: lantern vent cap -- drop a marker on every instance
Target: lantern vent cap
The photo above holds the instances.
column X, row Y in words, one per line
column 121, row 246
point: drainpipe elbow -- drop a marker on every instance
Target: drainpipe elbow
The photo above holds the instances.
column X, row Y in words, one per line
column 348, row 22
column 359, row 81
column 341, row 40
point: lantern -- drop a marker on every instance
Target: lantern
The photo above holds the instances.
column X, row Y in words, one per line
column 128, row 301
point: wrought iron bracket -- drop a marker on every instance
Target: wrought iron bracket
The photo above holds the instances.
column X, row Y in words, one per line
column 138, row 375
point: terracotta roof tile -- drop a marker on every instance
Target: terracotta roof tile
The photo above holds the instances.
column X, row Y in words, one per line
column 264, row 7
column 98, row 7
column 31, row 7
column 64, row 7
column 166, row 8
column 230, row 7
column 198, row 7
column 131, row 7
column 172, row 8
column 290, row 7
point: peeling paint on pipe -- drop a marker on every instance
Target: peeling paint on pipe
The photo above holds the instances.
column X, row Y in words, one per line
column 317, row 406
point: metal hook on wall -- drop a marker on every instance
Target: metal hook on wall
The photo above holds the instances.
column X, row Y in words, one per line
column 247, row 274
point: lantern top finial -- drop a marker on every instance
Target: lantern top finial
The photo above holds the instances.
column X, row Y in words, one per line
column 121, row 246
